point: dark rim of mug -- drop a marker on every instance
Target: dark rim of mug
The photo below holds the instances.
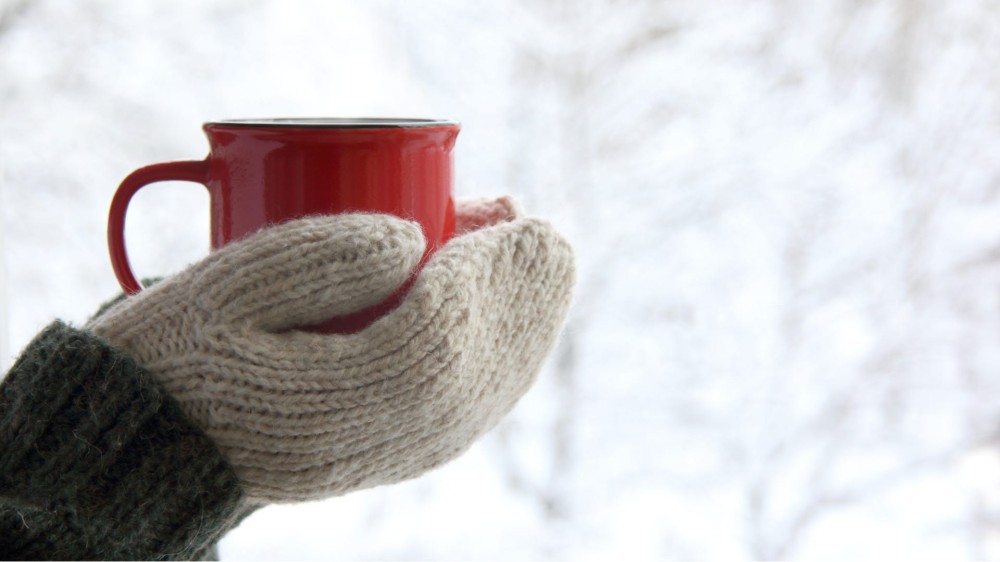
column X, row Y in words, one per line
column 335, row 122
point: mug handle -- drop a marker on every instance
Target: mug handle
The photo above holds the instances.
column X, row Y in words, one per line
column 186, row 170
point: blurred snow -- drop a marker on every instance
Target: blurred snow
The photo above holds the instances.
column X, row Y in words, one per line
column 784, row 340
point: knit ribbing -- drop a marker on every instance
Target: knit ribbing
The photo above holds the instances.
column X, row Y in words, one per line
column 97, row 461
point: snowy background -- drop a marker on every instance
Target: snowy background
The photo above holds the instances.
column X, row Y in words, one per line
column 786, row 336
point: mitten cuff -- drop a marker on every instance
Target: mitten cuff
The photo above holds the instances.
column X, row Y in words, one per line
column 98, row 461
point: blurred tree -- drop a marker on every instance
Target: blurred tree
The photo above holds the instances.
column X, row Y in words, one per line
column 580, row 154
column 784, row 338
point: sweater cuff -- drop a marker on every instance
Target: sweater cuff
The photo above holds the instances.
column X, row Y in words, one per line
column 98, row 461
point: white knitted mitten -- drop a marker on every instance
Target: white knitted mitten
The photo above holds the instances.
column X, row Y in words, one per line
column 302, row 415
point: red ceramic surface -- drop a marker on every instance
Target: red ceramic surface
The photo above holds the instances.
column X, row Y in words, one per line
column 263, row 172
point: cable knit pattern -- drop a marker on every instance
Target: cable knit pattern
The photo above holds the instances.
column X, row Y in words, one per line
column 302, row 415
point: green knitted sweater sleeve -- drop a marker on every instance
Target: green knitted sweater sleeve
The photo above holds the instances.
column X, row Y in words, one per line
column 97, row 461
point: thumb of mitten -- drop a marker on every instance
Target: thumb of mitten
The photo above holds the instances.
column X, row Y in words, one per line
column 310, row 270
column 293, row 274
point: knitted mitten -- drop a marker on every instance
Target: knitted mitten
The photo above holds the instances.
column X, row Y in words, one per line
column 302, row 415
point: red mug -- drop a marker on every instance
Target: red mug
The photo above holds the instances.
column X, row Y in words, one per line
column 261, row 172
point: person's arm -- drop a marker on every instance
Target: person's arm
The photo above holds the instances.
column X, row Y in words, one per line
column 152, row 432
column 97, row 461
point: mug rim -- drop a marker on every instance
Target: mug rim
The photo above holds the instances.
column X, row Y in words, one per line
column 335, row 122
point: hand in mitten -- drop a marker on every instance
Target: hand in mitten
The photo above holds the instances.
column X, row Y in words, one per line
column 302, row 415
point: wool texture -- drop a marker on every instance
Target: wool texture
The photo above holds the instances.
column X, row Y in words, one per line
column 302, row 416
column 97, row 461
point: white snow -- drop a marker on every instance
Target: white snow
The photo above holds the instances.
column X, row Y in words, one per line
column 784, row 339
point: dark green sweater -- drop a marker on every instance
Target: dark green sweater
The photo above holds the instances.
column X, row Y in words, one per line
column 97, row 461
